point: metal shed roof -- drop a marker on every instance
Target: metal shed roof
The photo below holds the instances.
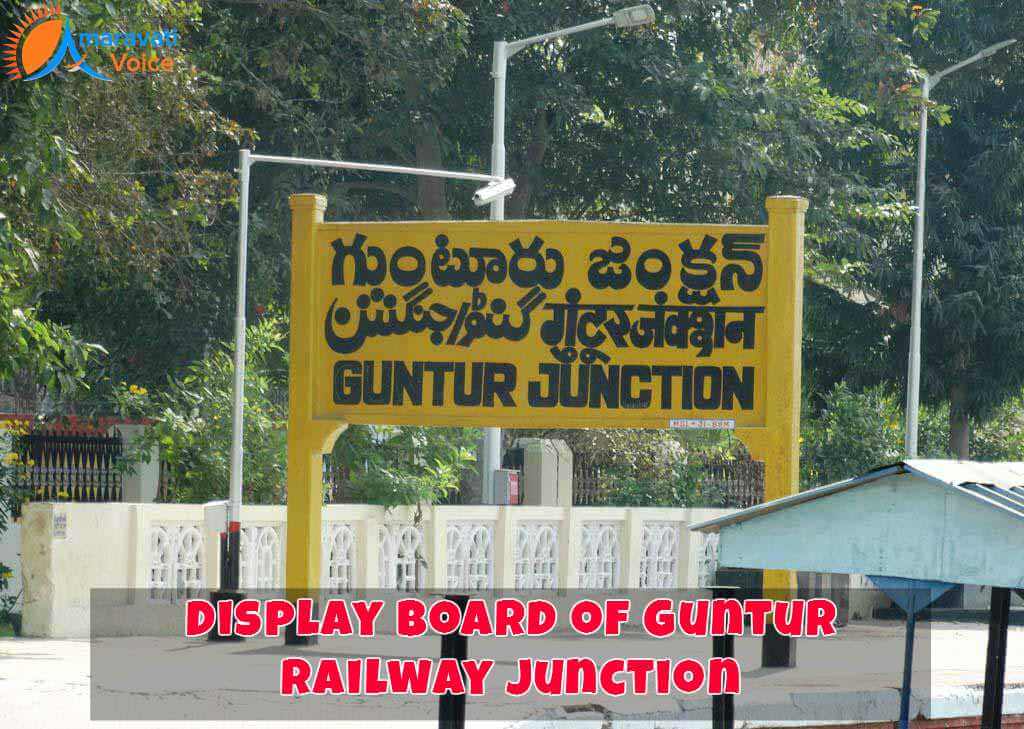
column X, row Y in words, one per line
column 999, row 485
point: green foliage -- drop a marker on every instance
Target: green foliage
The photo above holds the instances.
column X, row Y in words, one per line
column 645, row 467
column 120, row 189
column 29, row 343
column 854, row 432
column 683, row 483
column 192, row 419
column 1001, row 437
column 410, row 465
column 10, row 463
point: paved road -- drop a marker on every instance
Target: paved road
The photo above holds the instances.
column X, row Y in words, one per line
column 46, row 683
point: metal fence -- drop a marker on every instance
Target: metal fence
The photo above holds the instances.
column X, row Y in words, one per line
column 63, row 465
column 736, row 482
column 725, row 481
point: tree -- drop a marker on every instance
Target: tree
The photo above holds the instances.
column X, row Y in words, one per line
column 28, row 343
column 119, row 189
column 392, row 466
column 973, row 307
column 192, row 419
column 852, row 432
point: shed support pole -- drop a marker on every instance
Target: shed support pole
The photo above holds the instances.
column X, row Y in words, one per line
column 908, row 669
column 995, row 660
column 451, row 708
column 722, row 646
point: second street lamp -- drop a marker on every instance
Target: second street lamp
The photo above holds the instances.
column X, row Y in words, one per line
column 914, row 360
column 630, row 17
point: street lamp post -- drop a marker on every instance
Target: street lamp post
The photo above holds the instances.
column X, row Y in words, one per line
column 504, row 50
column 914, row 361
column 496, row 187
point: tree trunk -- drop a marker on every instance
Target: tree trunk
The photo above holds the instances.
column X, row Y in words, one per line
column 430, row 191
column 533, row 175
column 959, row 423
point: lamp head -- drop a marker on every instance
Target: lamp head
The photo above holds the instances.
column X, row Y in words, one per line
column 493, row 191
column 633, row 16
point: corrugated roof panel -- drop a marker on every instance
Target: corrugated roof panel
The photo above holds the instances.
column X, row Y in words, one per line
column 995, row 495
column 1004, row 475
column 999, row 485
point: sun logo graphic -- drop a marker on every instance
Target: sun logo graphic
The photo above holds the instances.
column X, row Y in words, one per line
column 39, row 42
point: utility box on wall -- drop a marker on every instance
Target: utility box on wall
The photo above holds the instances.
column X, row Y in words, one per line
column 547, row 472
column 507, row 487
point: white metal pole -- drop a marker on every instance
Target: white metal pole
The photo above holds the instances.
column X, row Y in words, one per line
column 914, row 359
column 231, row 580
column 914, row 364
column 492, row 436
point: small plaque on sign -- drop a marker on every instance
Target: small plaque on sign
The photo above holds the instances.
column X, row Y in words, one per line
column 694, row 424
column 60, row 525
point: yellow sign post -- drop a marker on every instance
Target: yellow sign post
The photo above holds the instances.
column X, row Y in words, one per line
column 540, row 324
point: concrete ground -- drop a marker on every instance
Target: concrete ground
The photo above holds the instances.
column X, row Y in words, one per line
column 46, row 683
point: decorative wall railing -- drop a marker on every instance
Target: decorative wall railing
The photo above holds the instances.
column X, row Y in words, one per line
column 169, row 553
column 458, row 548
column 68, row 465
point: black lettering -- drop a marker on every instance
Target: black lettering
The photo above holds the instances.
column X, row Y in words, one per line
column 667, row 375
column 408, row 383
column 347, row 387
column 499, row 381
column 383, row 395
column 472, row 397
column 643, row 398
column 565, row 395
column 604, row 384
column 736, row 388
column 535, row 397
column 707, row 390
column 687, row 398
column 438, row 370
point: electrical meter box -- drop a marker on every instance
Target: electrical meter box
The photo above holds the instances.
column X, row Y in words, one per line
column 506, row 487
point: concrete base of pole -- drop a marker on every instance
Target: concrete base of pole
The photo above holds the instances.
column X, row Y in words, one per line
column 216, row 596
column 293, row 638
column 777, row 651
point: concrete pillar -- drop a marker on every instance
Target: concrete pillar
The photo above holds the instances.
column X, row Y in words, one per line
column 568, row 550
column 141, row 483
column 504, row 549
column 547, row 472
column 367, row 568
column 632, row 549
column 435, row 547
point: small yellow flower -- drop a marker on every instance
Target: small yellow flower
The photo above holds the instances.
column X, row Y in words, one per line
column 133, row 389
column 143, row 391
column 30, row 463
column 62, row 495
column 11, row 458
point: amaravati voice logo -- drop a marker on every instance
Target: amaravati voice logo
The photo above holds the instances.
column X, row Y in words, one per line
column 42, row 39
column 39, row 42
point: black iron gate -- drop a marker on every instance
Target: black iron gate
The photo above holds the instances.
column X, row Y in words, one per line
column 59, row 465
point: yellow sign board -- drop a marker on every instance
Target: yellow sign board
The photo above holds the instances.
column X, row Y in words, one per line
column 541, row 324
